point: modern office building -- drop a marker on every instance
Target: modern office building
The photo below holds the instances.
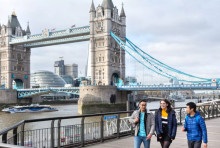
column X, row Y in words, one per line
column 71, row 70
column 68, row 72
column 44, row 79
column 59, row 67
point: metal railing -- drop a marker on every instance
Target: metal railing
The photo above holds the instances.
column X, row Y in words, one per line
column 84, row 133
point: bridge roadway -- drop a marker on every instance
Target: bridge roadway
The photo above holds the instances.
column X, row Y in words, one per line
column 213, row 129
column 22, row 93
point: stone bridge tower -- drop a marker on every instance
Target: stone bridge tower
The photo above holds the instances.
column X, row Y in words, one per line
column 107, row 58
column 14, row 60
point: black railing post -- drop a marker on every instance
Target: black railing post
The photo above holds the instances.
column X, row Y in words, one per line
column 82, row 131
column 4, row 138
column 204, row 111
column 208, row 112
column 22, row 134
column 181, row 116
column 15, row 136
column 217, row 111
column 52, row 133
column 132, row 129
column 118, row 126
column 102, row 128
column 213, row 111
column 58, row 126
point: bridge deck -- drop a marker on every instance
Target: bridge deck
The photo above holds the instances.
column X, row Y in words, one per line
column 180, row 141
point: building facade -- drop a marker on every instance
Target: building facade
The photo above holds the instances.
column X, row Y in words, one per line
column 59, row 67
column 46, row 79
column 107, row 58
column 71, row 70
column 14, row 60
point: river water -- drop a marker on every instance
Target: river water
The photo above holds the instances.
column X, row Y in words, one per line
column 8, row 119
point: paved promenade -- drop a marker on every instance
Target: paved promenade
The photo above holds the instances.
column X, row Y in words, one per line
column 213, row 127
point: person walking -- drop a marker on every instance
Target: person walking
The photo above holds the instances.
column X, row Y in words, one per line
column 165, row 124
column 195, row 127
column 144, row 123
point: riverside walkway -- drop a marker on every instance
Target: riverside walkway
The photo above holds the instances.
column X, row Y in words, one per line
column 213, row 129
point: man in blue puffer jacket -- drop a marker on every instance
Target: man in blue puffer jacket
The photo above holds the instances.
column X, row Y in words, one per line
column 195, row 127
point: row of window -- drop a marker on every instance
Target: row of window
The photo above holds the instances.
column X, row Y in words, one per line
column 18, row 68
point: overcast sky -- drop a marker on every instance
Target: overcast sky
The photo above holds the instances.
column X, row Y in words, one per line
column 184, row 34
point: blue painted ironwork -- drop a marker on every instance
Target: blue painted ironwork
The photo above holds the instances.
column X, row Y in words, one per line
column 47, row 38
column 170, row 87
column 156, row 69
column 24, row 93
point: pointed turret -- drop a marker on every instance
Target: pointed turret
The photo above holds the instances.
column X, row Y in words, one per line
column 107, row 4
column 122, row 12
column 28, row 32
column 14, row 22
column 9, row 23
column 13, row 13
column 92, row 9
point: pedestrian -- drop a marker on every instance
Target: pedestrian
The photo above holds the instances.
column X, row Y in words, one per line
column 165, row 124
column 143, row 122
column 195, row 127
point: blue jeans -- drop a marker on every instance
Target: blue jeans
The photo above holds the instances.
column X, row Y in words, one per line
column 139, row 139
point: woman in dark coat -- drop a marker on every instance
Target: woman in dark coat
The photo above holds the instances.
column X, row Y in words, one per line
column 166, row 124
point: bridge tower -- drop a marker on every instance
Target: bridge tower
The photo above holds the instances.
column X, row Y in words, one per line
column 107, row 58
column 14, row 60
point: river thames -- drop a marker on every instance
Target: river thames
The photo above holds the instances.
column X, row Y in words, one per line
column 8, row 119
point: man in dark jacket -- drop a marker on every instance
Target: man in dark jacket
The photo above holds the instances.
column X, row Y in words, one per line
column 195, row 127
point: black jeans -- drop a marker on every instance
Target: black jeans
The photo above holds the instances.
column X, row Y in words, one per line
column 194, row 144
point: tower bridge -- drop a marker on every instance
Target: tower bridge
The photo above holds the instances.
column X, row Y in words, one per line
column 107, row 63
column 106, row 34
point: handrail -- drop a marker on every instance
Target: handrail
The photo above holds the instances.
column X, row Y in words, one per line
column 57, row 118
column 207, row 111
column 79, row 116
column 11, row 127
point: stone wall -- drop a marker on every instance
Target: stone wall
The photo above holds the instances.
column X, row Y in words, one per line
column 8, row 96
column 96, row 99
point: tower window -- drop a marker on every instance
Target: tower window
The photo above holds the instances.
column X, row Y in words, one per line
column 99, row 14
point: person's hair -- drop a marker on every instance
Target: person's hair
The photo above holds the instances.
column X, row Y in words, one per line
column 143, row 100
column 192, row 105
column 169, row 108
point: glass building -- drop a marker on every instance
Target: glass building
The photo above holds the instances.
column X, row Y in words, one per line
column 43, row 79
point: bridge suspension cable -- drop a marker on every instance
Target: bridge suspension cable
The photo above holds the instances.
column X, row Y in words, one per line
column 156, row 66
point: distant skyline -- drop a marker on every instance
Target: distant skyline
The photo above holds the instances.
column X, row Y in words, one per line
column 183, row 34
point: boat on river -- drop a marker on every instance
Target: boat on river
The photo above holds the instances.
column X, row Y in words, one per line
column 29, row 109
